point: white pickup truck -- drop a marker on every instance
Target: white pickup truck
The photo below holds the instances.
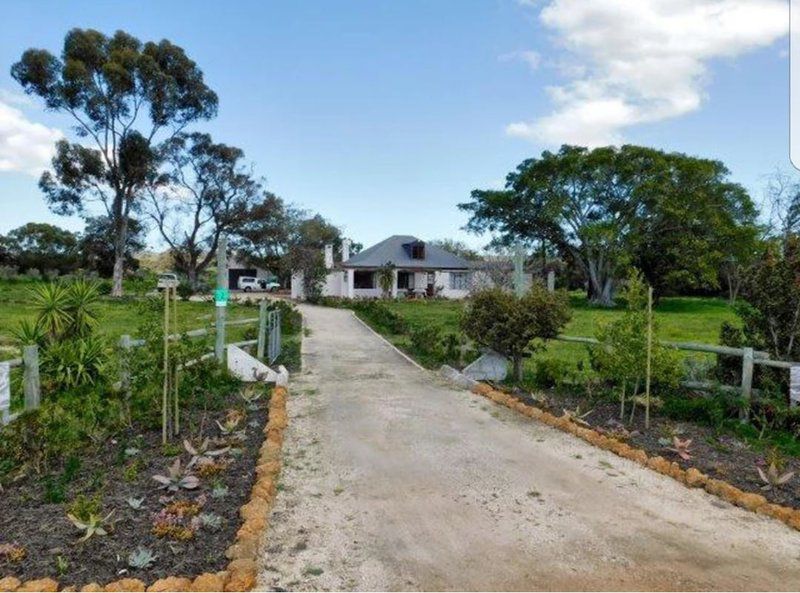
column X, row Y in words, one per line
column 249, row 283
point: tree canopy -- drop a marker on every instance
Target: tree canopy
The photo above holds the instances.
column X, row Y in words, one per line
column 607, row 208
column 204, row 191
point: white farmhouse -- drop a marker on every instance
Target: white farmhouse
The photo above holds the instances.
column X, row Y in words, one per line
column 419, row 269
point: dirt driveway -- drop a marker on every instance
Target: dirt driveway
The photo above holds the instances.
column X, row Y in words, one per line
column 393, row 480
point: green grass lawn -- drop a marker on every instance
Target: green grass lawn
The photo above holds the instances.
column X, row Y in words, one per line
column 117, row 316
column 680, row 319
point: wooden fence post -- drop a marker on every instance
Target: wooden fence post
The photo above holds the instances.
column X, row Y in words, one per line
column 747, row 383
column 262, row 328
column 30, row 358
column 125, row 366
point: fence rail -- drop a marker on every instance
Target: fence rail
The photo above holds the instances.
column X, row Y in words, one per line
column 269, row 335
column 749, row 356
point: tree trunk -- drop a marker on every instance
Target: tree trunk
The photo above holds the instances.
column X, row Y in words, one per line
column 517, row 360
column 191, row 276
column 120, row 241
column 601, row 285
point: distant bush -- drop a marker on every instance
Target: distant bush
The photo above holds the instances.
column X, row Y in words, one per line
column 291, row 319
column 184, row 290
column 551, row 372
column 33, row 274
column 426, row 340
column 8, row 273
column 382, row 316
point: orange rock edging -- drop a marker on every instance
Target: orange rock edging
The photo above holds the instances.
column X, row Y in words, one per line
column 692, row 477
column 242, row 570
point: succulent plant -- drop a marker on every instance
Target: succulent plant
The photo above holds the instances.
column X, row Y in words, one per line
column 219, row 490
column 681, row 448
column 202, row 453
column 773, row 478
column 137, row 504
column 251, row 395
column 177, row 478
column 92, row 525
column 210, row 521
column 141, row 558
column 576, row 416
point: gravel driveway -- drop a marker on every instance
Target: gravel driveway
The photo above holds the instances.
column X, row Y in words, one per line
column 394, row 481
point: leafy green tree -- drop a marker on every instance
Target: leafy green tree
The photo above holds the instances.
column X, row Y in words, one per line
column 771, row 311
column 457, row 247
column 606, row 208
column 309, row 262
column 693, row 221
column 621, row 356
column 265, row 236
column 205, row 192
column 121, row 94
column 515, row 327
column 41, row 246
column 96, row 245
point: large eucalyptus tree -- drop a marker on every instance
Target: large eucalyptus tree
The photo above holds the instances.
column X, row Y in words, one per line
column 124, row 96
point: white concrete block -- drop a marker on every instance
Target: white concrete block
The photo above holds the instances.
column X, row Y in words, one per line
column 490, row 365
column 248, row 368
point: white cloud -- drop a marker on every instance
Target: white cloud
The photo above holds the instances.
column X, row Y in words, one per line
column 531, row 58
column 25, row 146
column 642, row 61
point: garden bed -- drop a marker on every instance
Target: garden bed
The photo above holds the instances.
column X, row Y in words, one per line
column 718, row 454
column 116, row 473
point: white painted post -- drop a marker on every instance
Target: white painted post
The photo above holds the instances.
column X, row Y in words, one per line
column 394, row 284
column 30, row 358
column 350, row 282
column 5, row 392
column 747, row 383
column 222, row 284
column 262, row 329
column 519, row 279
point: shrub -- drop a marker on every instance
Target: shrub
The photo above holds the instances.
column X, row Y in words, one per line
column 551, row 372
column 184, row 290
column 621, row 357
column 381, row 316
column 291, row 318
column 426, row 340
column 515, row 327
column 8, row 273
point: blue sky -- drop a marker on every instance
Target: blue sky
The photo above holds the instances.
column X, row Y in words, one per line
column 383, row 115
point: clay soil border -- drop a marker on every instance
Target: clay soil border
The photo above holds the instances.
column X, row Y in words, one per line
column 243, row 554
column 692, row 477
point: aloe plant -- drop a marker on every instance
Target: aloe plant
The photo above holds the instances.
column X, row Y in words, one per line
column 773, row 478
column 202, row 453
column 681, row 448
column 91, row 526
column 177, row 478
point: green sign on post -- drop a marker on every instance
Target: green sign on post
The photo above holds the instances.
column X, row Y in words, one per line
column 221, row 297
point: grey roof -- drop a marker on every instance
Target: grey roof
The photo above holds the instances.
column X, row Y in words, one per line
column 395, row 250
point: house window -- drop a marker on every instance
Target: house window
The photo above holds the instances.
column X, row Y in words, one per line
column 403, row 280
column 363, row 279
column 418, row 251
column 459, row 280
